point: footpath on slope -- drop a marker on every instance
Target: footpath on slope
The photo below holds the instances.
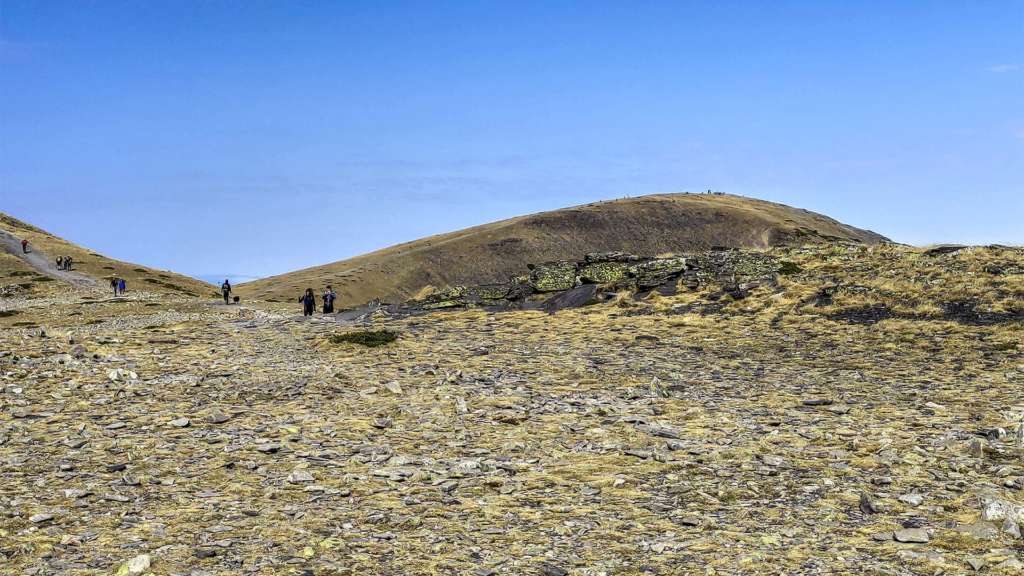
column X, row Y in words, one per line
column 42, row 262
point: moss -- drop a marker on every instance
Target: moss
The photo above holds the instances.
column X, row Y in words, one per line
column 787, row 268
column 17, row 273
column 8, row 313
column 368, row 338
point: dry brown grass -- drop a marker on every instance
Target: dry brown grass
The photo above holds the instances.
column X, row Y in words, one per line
column 555, row 409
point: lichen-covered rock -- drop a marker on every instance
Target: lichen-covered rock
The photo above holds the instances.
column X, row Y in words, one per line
column 519, row 289
column 452, row 297
column 553, row 276
column 604, row 272
column 599, row 257
column 489, row 292
column 656, row 272
column 994, row 507
column 737, row 266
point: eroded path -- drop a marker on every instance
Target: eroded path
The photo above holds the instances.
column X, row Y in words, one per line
column 42, row 262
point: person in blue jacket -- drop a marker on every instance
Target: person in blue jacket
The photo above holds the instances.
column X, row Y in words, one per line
column 329, row 298
column 308, row 302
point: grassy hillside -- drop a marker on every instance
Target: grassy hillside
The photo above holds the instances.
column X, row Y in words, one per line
column 17, row 277
column 646, row 225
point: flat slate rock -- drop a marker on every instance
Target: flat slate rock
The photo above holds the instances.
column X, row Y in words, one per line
column 911, row 535
column 573, row 298
column 944, row 249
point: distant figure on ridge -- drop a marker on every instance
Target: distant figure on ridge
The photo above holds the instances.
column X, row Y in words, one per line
column 114, row 284
column 329, row 297
column 121, row 285
column 68, row 262
column 60, row 262
column 24, row 246
column 308, row 302
column 225, row 289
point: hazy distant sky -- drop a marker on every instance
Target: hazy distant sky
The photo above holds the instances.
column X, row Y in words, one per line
column 259, row 137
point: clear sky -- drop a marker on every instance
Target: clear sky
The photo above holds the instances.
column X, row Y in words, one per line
column 259, row 137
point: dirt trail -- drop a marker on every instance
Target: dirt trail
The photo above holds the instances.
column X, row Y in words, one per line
column 42, row 262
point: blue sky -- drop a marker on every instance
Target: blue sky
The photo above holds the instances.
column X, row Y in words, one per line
column 259, row 137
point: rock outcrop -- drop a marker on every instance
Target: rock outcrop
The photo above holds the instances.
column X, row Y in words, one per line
column 556, row 285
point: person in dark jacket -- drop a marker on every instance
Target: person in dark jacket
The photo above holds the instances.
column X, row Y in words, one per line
column 329, row 297
column 225, row 289
column 308, row 302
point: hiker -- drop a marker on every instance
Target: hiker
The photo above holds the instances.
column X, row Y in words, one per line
column 329, row 297
column 60, row 262
column 225, row 289
column 308, row 302
column 114, row 284
column 121, row 285
column 24, row 246
column 69, row 263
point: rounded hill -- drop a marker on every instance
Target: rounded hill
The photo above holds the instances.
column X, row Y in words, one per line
column 646, row 225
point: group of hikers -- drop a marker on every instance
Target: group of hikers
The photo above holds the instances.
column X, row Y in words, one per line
column 308, row 301
column 118, row 285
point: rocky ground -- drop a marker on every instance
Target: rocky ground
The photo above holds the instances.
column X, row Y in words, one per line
column 857, row 415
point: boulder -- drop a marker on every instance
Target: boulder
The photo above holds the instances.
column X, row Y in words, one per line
column 553, row 276
column 489, row 294
column 601, row 257
column 452, row 297
column 994, row 508
column 519, row 289
column 657, row 272
column 574, row 298
column 737, row 266
column 943, row 249
column 604, row 272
